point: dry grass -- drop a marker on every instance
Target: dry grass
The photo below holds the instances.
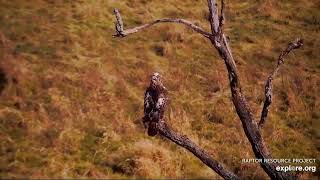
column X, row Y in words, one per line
column 71, row 95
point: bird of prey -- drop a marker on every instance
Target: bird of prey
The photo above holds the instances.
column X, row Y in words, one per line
column 154, row 104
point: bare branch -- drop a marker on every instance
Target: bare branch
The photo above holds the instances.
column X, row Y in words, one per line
column 122, row 33
column 118, row 23
column 155, row 102
column 222, row 15
column 213, row 18
column 186, row 143
column 268, row 87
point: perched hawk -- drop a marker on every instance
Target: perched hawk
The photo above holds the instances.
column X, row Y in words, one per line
column 154, row 104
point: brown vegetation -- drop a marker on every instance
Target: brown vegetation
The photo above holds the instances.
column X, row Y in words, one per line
column 72, row 103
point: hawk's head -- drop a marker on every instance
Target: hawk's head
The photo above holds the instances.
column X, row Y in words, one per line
column 155, row 82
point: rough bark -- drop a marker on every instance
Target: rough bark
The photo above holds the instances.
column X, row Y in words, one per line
column 186, row 143
column 268, row 87
column 242, row 107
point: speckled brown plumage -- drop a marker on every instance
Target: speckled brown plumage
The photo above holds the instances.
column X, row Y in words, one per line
column 154, row 104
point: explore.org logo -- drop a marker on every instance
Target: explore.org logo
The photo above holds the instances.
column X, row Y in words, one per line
column 311, row 167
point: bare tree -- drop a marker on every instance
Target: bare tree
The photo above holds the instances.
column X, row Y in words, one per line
column 250, row 126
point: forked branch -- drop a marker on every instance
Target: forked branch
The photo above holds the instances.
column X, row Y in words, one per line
column 186, row 143
column 268, row 87
column 239, row 100
column 219, row 41
column 121, row 32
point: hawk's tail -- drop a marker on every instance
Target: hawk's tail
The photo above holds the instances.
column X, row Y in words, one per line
column 153, row 129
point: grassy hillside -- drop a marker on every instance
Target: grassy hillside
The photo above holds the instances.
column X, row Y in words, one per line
column 71, row 96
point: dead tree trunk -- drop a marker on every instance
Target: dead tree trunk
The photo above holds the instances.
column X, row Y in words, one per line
column 220, row 43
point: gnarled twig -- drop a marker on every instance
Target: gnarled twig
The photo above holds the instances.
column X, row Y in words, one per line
column 268, row 87
column 121, row 32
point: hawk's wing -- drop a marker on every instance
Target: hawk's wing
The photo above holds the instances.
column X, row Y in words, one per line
column 148, row 103
column 161, row 105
